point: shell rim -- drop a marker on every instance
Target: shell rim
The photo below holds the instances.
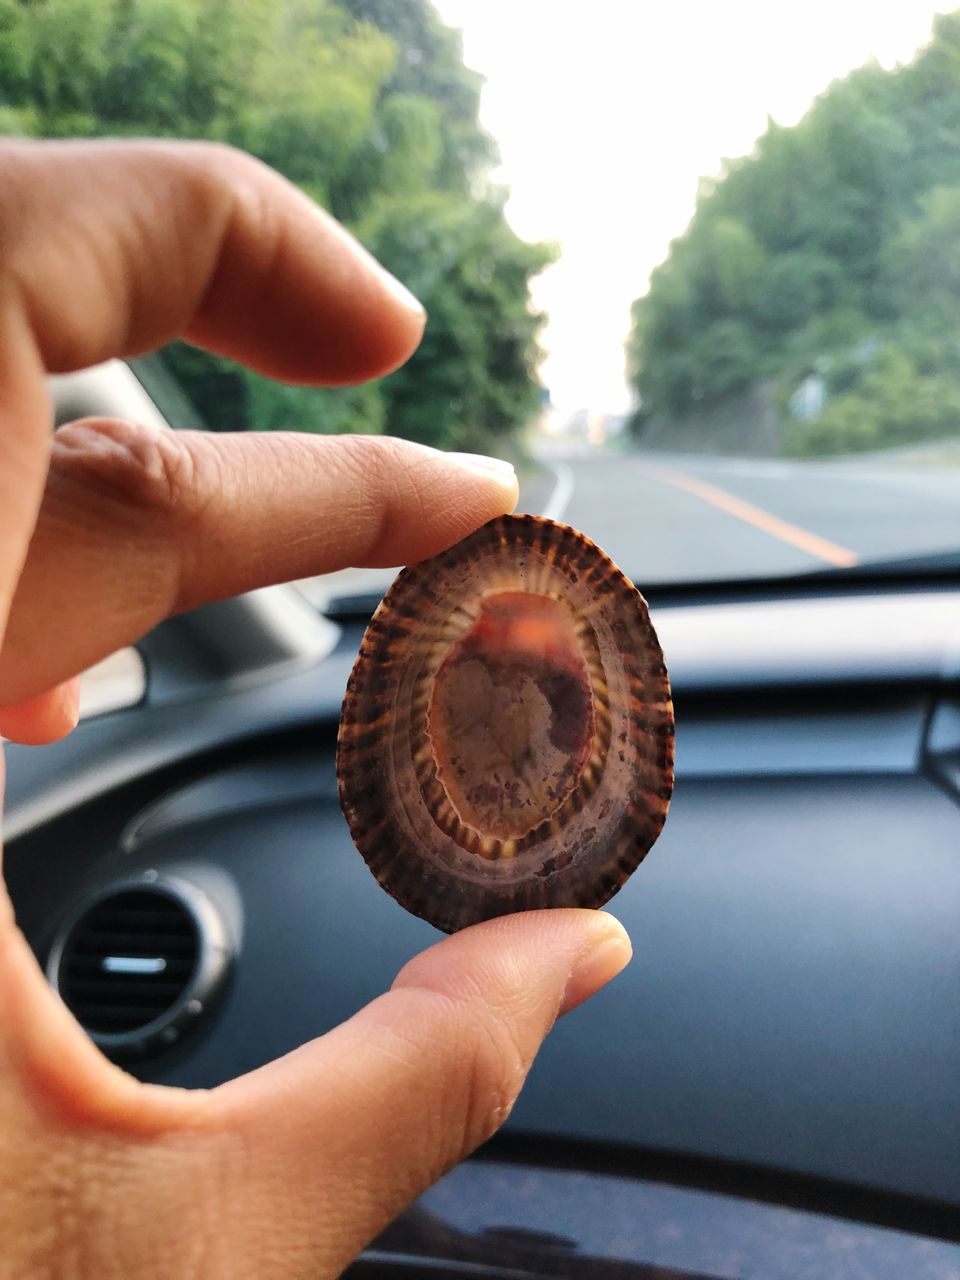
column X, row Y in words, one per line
column 366, row 837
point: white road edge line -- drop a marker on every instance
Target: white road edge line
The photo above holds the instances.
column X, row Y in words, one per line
column 556, row 504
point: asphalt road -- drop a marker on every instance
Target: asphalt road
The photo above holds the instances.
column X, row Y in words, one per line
column 670, row 518
column 675, row 518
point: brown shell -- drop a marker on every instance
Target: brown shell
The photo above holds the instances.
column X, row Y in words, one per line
column 506, row 741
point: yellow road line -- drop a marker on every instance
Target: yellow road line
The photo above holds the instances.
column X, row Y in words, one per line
column 812, row 543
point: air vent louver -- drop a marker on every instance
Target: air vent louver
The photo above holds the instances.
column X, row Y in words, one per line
column 140, row 961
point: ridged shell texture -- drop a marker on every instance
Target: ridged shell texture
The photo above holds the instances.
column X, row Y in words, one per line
column 506, row 741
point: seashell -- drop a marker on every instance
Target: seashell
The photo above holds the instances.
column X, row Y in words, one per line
column 506, row 741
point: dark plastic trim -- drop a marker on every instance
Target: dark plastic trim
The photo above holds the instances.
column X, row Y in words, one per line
column 854, row 1202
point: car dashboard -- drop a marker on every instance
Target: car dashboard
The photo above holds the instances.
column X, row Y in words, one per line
column 773, row 1085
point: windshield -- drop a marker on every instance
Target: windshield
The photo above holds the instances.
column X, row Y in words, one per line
column 694, row 267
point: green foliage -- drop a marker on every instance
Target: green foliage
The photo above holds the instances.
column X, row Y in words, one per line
column 430, row 63
column 473, row 378
column 921, row 259
column 842, row 229
column 893, row 402
column 366, row 104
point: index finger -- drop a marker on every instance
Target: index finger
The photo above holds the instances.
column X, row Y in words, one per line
column 139, row 523
column 117, row 247
column 111, row 249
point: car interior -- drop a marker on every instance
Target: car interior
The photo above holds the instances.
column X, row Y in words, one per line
column 772, row 1088
column 692, row 269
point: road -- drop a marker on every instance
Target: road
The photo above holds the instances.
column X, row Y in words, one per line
column 666, row 518
column 669, row 518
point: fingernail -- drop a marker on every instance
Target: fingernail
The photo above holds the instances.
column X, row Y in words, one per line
column 480, row 462
column 401, row 293
column 604, row 955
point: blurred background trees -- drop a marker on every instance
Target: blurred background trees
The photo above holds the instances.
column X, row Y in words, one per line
column 827, row 263
column 367, row 106
column 824, row 268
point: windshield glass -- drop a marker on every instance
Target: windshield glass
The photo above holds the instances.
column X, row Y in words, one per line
column 694, row 267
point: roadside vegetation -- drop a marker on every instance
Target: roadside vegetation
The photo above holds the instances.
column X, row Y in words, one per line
column 367, row 106
column 825, row 265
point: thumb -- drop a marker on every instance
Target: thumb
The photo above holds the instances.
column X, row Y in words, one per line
column 339, row 1136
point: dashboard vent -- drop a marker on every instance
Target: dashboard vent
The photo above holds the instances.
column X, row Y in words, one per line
column 139, row 961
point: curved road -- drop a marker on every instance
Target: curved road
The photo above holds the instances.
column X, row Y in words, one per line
column 673, row 518
column 670, row 518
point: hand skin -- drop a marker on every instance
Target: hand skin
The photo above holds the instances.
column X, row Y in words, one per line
column 106, row 528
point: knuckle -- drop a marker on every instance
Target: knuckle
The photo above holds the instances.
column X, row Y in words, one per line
column 225, row 159
column 111, row 477
column 466, row 1056
column 373, row 462
column 219, row 173
column 153, row 472
column 369, row 458
column 210, row 164
column 492, row 1076
column 387, row 494
column 240, row 184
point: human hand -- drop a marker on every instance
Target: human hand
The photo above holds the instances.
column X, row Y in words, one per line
column 105, row 529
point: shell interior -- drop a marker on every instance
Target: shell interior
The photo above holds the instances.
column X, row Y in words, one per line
column 506, row 741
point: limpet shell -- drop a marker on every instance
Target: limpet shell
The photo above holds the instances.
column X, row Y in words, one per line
column 506, row 741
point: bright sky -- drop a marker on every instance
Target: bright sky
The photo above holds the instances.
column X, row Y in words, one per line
column 608, row 112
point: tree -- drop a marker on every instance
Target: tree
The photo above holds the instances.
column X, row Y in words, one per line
column 366, row 104
column 843, row 229
column 922, row 265
column 892, row 402
column 473, row 378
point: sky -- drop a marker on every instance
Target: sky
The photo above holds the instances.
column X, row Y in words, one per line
column 607, row 113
